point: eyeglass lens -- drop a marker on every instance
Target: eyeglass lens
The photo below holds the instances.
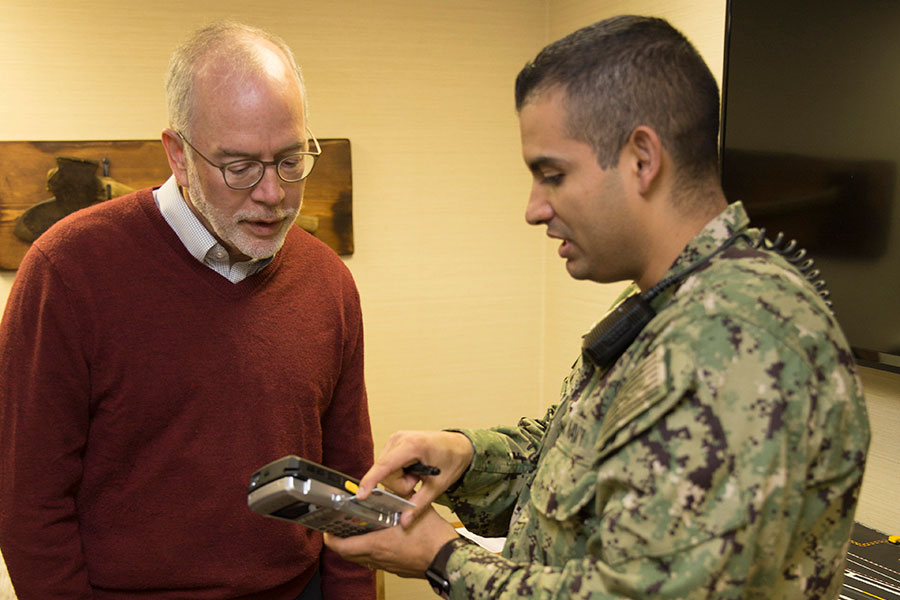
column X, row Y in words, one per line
column 247, row 173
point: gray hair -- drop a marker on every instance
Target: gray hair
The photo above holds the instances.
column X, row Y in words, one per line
column 221, row 40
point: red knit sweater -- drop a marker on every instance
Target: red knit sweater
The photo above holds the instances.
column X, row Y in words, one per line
column 139, row 392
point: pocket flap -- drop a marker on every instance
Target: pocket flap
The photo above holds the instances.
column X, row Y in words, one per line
column 563, row 483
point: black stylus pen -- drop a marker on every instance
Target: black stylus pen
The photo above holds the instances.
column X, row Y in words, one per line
column 421, row 470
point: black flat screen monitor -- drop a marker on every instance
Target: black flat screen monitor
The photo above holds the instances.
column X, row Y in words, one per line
column 810, row 142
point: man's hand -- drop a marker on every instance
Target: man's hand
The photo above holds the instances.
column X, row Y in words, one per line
column 404, row 551
column 449, row 451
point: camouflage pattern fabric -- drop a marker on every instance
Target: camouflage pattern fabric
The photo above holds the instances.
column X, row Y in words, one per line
column 720, row 457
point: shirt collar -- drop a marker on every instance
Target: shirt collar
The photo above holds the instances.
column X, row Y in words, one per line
column 198, row 241
column 719, row 230
column 195, row 237
column 714, row 234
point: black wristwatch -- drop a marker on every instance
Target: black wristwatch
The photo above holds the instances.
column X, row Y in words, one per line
column 436, row 573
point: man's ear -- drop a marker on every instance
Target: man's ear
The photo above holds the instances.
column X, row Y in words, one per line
column 174, row 147
column 644, row 156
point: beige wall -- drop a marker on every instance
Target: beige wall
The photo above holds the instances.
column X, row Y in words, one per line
column 470, row 316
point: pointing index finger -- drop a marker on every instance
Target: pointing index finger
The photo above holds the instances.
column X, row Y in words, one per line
column 375, row 475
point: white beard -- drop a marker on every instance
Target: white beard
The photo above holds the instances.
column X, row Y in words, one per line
column 228, row 229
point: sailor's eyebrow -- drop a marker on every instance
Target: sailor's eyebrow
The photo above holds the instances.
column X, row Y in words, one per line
column 540, row 162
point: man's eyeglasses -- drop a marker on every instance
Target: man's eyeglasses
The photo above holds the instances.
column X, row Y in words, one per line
column 245, row 173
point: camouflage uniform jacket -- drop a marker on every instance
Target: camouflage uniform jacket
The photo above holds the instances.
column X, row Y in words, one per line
column 720, row 457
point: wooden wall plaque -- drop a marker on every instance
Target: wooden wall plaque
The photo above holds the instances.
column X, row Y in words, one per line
column 327, row 201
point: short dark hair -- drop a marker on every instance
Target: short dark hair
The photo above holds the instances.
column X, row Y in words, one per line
column 628, row 71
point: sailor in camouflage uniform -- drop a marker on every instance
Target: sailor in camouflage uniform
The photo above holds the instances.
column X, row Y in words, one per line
column 720, row 456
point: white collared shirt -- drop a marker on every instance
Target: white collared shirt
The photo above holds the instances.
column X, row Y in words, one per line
column 197, row 239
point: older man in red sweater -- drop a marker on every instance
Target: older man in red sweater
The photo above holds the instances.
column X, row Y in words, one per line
column 158, row 348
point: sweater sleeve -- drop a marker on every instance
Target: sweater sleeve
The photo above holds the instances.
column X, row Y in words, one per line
column 347, row 446
column 44, row 414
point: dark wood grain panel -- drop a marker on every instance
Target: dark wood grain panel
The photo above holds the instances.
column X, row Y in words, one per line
column 327, row 205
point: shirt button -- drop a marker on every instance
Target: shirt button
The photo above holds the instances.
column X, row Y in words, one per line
column 220, row 254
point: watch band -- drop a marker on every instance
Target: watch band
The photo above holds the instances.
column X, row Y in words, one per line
column 436, row 573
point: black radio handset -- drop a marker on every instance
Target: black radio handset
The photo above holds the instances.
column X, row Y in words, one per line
column 608, row 339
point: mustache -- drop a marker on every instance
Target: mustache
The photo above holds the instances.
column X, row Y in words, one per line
column 277, row 214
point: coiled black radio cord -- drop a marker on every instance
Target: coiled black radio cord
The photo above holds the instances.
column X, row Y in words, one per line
column 794, row 255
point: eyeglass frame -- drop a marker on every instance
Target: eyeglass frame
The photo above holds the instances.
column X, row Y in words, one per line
column 264, row 163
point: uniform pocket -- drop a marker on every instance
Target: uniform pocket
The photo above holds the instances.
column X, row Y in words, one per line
column 563, row 484
column 559, row 519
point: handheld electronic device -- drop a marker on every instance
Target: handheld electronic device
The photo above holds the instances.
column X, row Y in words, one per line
column 301, row 491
